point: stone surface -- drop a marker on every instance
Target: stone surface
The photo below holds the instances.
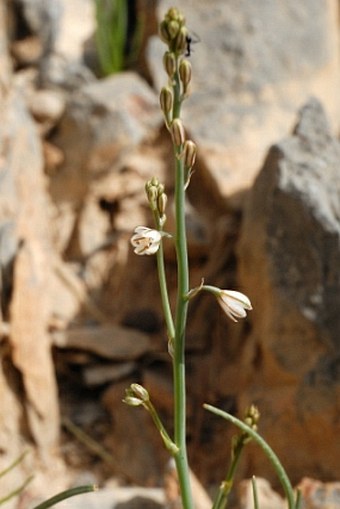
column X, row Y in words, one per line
column 289, row 266
column 318, row 495
column 110, row 341
column 5, row 66
column 254, row 66
column 119, row 497
column 102, row 120
column 77, row 24
column 267, row 497
column 95, row 375
column 47, row 105
column 29, row 307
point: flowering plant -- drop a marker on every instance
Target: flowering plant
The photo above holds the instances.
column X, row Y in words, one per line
column 147, row 241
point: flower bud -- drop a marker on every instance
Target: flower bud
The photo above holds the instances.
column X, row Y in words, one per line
column 139, row 392
column 161, row 203
column 185, row 73
column 181, row 40
column 173, row 29
column 152, row 194
column 169, row 62
column 177, row 131
column 189, row 153
column 166, row 100
column 163, row 32
column 174, row 14
column 136, row 395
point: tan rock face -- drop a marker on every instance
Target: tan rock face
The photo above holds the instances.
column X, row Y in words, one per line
column 289, row 264
column 25, row 269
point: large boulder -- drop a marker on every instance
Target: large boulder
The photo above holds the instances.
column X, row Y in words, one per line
column 289, row 264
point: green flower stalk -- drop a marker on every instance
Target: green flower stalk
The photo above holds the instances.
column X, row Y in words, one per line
column 238, row 443
column 147, row 241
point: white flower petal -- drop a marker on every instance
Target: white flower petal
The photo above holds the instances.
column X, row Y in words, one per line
column 234, row 304
column 238, row 297
column 145, row 240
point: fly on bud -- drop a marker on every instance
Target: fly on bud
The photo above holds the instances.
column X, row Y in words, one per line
column 181, row 40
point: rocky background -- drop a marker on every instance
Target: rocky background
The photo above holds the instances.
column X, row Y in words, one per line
column 80, row 314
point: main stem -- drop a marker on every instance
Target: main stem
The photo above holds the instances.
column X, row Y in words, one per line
column 181, row 457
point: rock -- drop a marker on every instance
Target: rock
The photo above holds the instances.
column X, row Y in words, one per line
column 5, row 66
column 267, row 497
column 110, row 341
column 102, row 120
column 289, row 257
column 158, row 381
column 77, row 24
column 47, row 105
column 119, row 497
column 102, row 374
column 96, row 187
column 29, row 305
column 53, row 157
column 42, row 19
column 251, row 70
column 318, row 495
column 27, row 52
column 37, row 26
column 67, row 294
column 10, row 417
column 201, row 498
column 91, row 230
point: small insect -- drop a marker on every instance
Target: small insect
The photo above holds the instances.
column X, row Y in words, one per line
column 191, row 39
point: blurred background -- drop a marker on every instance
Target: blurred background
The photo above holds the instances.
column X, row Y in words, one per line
column 80, row 133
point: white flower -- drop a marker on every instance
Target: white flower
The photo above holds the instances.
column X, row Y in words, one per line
column 146, row 241
column 234, row 304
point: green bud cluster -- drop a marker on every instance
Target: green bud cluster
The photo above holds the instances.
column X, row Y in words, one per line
column 252, row 417
column 175, row 34
column 136, row 395
column 173, row 31
column 157, row 198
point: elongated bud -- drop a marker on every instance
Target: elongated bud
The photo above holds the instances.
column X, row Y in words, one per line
column 185, row 74
column 161, row 202
column 173, row 29
column 189, row 153
column 166, row 100
column 140, row 392
column 169, row 62
column 181, row 40
column 136, row 395
column 174, row 13
column 152, row 197
column 177, row 131
column 163, row 32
